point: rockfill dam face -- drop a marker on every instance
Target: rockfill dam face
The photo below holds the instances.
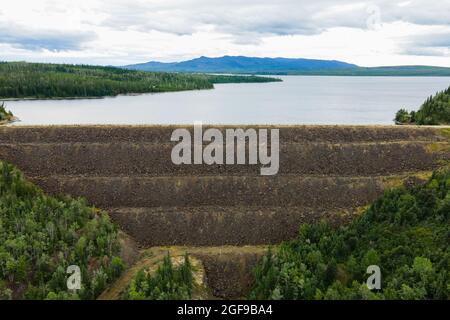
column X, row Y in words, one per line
column 325, row 172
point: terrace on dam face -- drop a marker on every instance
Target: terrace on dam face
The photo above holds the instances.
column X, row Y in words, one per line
column 223, row 214
column 325, row 172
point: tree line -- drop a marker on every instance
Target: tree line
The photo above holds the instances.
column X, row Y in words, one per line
column 41, row 80
column 40, row 236
column 434, row 111
column 405, row 232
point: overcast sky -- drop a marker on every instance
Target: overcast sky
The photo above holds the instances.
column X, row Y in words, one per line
column 118, row 32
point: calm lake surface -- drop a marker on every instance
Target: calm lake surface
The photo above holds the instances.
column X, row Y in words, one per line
column 296, row 100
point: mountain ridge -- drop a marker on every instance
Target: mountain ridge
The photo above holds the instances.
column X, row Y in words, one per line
column 241, row 64
column 284, row 66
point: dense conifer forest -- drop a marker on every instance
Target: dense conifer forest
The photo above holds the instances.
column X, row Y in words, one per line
column 434, row 111
column 405, row 232
column 39, row 80
column 40, row 236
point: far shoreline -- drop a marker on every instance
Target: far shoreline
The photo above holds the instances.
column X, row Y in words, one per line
column 131, row 94
column 96, row 97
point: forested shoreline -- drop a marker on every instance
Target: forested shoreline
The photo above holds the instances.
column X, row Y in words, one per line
column 22, row 80
column 434, row 111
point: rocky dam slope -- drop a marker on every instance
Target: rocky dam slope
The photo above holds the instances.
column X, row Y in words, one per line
column 223, row 214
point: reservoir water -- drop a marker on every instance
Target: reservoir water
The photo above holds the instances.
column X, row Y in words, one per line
column 296, row 100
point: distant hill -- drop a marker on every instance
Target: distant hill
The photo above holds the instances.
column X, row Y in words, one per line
column 240, row 64
column 284, row 66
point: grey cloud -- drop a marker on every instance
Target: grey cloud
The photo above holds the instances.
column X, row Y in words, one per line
column 434, row 44
column 20, row 37
column 432, row 40
column 283, row 17
column 247, row 22
column 233, row 17
column 244, row 22
column 422, row 12
column 429, row 52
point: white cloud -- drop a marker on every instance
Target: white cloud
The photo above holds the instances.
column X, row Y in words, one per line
column 128, row 31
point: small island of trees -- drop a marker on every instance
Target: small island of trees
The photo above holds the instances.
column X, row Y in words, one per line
column 5, row 115
column 169, row 282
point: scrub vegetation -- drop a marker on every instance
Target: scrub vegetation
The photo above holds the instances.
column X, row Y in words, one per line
column 169, row 282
